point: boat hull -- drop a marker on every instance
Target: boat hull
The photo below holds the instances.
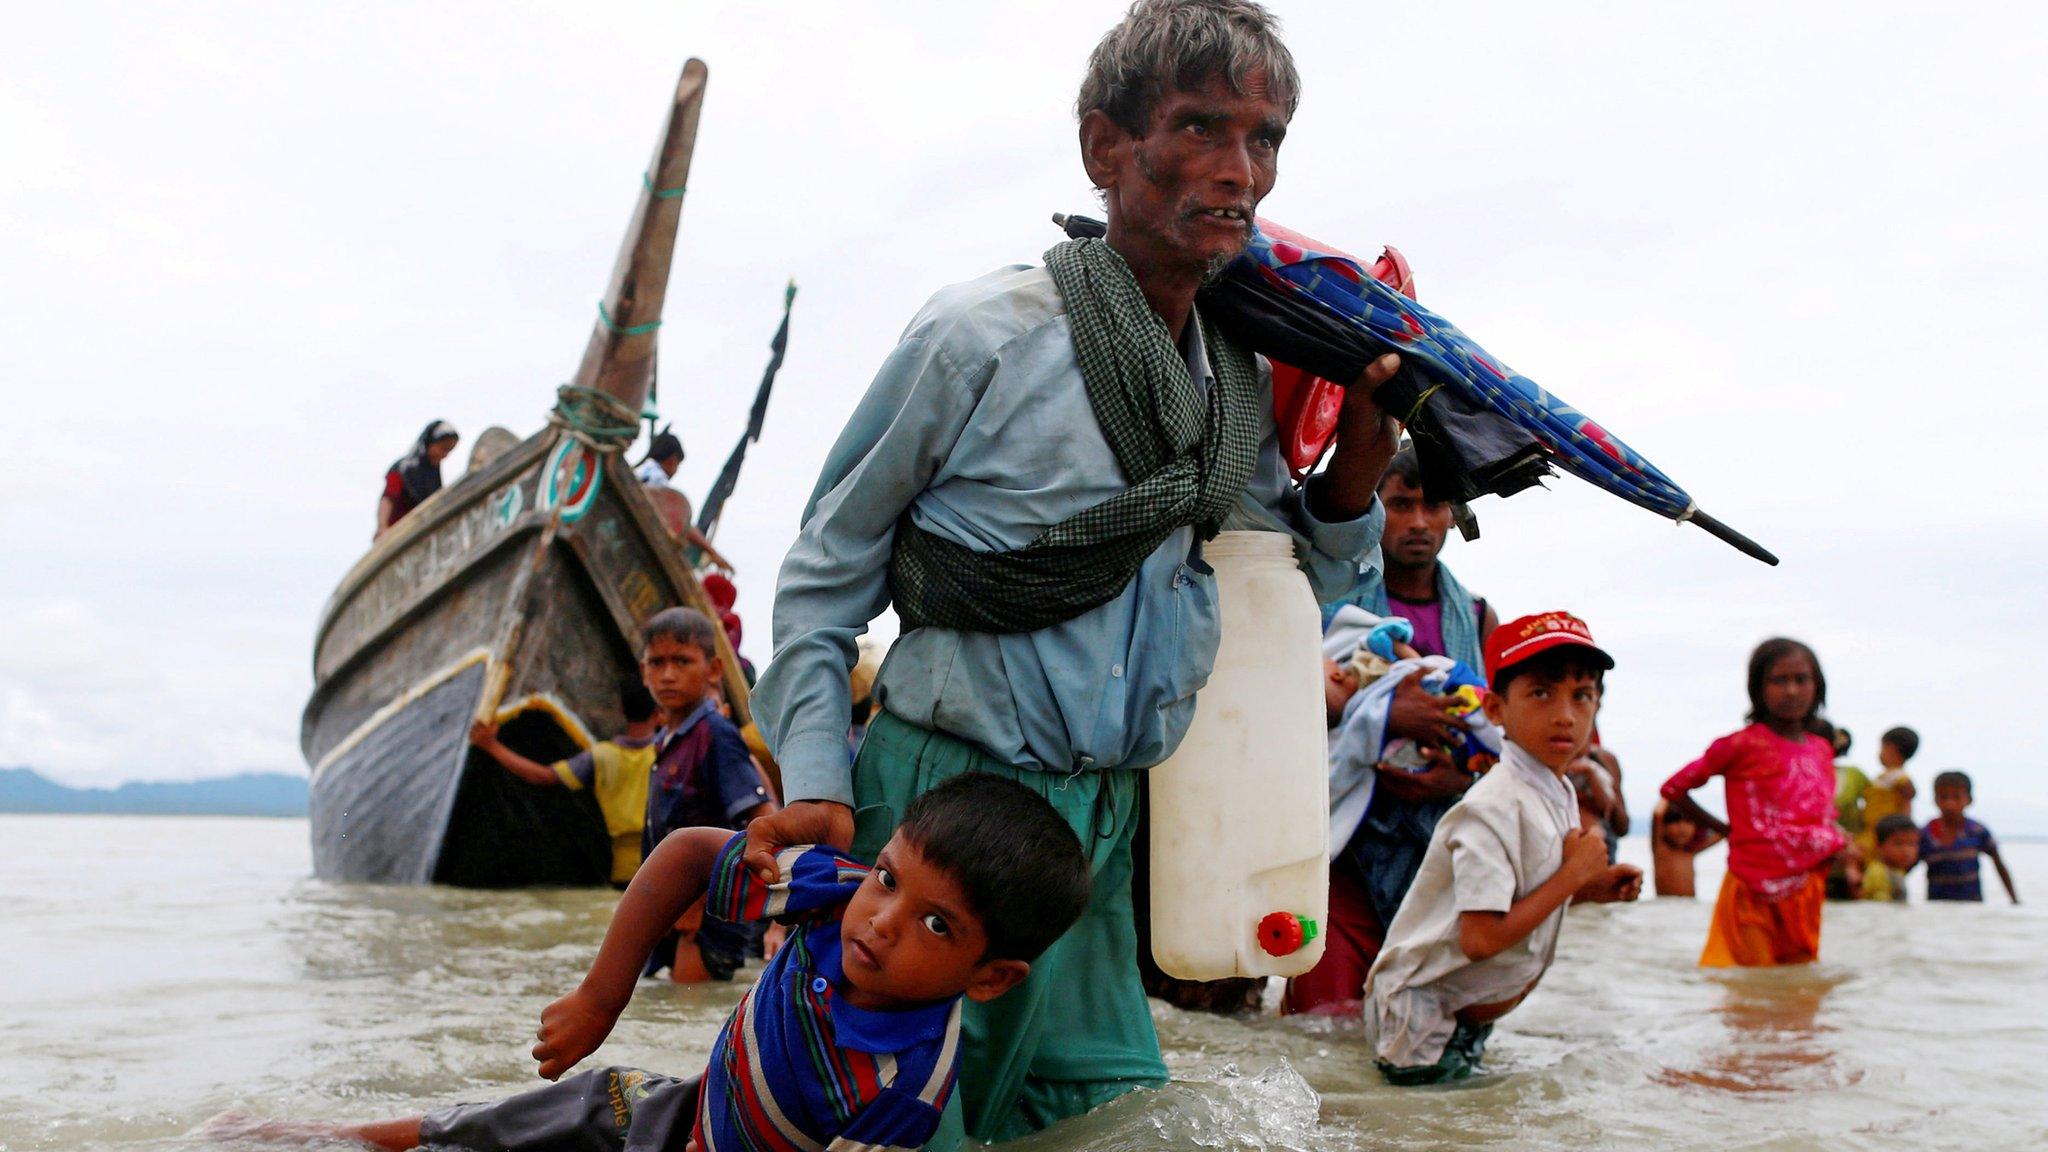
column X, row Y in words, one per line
column 518, row 594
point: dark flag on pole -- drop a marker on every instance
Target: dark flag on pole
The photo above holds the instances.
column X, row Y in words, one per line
column 729, row 476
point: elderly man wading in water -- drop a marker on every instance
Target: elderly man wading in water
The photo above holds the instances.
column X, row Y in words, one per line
column 1030, row 480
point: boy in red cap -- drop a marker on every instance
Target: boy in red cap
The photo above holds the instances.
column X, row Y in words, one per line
column 1479, row 927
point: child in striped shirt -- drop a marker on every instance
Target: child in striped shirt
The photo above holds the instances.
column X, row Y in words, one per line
column 850, row 1039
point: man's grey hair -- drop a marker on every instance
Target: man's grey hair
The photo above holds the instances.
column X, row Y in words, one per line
column 1176, row 46
column 684, row 626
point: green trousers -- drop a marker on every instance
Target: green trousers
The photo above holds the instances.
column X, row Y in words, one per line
column 1077, row 1032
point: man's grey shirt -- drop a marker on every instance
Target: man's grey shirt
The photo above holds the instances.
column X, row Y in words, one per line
column 979, row 424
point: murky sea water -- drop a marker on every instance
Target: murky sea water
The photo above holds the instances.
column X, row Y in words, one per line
column 159, row 971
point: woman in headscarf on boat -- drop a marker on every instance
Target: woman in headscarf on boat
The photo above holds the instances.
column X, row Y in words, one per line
column 416, row 475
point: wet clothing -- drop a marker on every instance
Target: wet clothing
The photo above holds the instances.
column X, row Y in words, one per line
column 794, row 1066
column 703, row 777
column 797, row 1065
column 979, row 429
column 1952, row 867
column 616, row 772
column 1187, row 452
column 1460, row 1060
column 1499, row 843
column 602, row 1110
column 1781, row 806
column 1749, row 930
column 1078, row 1031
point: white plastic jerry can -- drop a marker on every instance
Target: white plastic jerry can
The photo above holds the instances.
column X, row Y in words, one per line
column 1241, row 811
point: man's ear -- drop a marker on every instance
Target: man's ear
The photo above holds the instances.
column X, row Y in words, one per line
column 1496, row 708
column 1104, row 144
column 995, row 977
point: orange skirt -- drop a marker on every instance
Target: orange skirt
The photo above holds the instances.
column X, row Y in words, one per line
column 1748, row 932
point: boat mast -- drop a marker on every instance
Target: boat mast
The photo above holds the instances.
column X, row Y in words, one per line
column 619, row 360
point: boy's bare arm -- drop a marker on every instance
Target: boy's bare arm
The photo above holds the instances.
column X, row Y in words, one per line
column 484, row 735
column 673, row 877
column 2004, row 877
column 1483, row 935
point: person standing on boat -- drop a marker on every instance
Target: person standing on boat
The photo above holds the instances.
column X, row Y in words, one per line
column 1029, row 481
column 415, row 475
column 664, row 456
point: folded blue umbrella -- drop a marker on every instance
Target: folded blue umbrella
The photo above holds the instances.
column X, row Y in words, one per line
column 1479, row 427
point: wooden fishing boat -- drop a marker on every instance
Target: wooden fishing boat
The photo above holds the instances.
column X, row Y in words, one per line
column 516, row 592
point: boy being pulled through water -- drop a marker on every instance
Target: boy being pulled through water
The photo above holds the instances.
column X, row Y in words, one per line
column 851, row 1037
column 1479, row 927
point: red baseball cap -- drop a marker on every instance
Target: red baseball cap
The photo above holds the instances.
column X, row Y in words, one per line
column 1518, row 640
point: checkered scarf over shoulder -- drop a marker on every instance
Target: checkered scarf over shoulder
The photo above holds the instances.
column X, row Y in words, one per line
column 1188, row 458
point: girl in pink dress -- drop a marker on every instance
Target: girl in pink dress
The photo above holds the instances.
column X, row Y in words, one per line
column 1780, row 779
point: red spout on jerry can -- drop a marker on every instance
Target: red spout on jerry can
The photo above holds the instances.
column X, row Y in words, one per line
column 1284, row 933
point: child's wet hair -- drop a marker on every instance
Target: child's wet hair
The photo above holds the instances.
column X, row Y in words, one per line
column 1894, row 824
column 1905, row 740
column 684, row 626
column 1553, row 666
column 1017, row 861
column 1955, row 779
column 636, row 703
column 1770, row 652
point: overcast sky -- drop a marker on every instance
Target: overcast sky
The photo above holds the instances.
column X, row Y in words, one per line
column 1795, row 254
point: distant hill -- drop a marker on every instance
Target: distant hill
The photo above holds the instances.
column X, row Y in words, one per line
column 250, row 794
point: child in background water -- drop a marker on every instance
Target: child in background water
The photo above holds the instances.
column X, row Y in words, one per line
column 1892, row 792
column 1951, row 843
column 1781, row 830
column 1898, row 849
column 1674, row 840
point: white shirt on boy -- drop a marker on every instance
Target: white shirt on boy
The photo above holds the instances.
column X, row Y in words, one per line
column 1496, row 845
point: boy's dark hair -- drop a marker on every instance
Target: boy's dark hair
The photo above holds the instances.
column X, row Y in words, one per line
column 665, row 446
column 1894, row 824
column 1842, row 741
column 636, row 702
column 1553, row 665
column 1905, row 740
column 1018, row 862
column 1954, row 779
column 1406, row 465
column 684, row 626
column 1770, row 652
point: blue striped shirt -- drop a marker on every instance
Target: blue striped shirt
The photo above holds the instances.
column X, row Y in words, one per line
column 797, row 1067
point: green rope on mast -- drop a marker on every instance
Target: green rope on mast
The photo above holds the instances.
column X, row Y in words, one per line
column 647, row 182
column 626, row 330
column 594, row 418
